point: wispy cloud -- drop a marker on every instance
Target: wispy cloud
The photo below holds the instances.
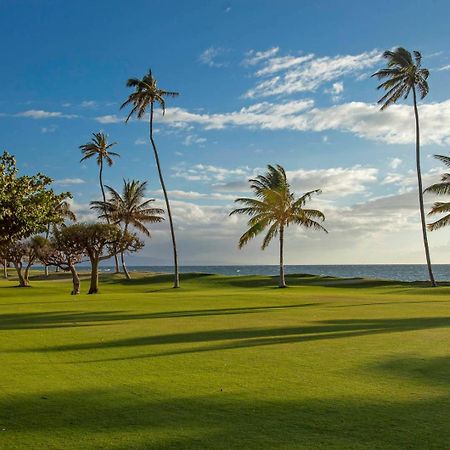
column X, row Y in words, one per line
column 109, row 118
column 192, row 139
column 290, row 74
column 212, row 57
column 69, row 181
column 41, row 114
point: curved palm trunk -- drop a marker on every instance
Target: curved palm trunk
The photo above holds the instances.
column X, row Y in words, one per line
column 176, row 283
column 75, row 281
column 282, row 283
column 100, row 176
column 419, row 182
column 23, row 282
column 124, row 266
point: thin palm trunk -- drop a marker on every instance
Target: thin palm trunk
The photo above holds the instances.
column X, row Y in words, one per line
column 75, row 281
column 100, row 176
column 282, row 283
column 124, row 266
column 5, row 269
column 176, row 282
column 47, row 234
column 419, row 182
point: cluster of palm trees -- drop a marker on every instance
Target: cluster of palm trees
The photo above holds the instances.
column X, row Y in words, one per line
column 274, row 206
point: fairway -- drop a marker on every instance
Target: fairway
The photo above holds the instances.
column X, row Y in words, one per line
column 224, row 363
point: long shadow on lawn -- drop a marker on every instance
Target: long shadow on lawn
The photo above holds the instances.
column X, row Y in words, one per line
column 57, row 319
column 133, row 418
column 253, row 337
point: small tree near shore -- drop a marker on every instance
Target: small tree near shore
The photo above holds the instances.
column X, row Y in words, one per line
column 102, row 241
column 65, row 251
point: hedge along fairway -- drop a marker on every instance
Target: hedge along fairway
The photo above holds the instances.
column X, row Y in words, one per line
column 225, row 363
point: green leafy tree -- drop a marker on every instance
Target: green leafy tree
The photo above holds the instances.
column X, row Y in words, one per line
column 274, row 209
column 99, row 242
column 142, row 100
column 404, row 74
column 100, row 149
column 64, row 213
column 27, row 204
column 64, row 250
column 129, row 209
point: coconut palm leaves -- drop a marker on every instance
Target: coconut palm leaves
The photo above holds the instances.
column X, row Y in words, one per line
column 404, row 74
column 99, row 148
column 142, row 100
column 274, row 209
column 442, row 188
column 130, row 209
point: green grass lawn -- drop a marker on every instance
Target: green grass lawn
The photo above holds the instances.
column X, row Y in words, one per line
column 225, row 363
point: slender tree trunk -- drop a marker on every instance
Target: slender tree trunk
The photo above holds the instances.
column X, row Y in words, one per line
column 282, row 283
column 27, row 274
column 5, row 269
column 176, row 282
column 47, row 234
column 419, row 182
column 93, row 288
column 124, row 266
column 116, row 260
column 75, row 281
column 22, row 280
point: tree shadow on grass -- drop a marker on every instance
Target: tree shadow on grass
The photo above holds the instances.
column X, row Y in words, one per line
column 58, row 319
column 214, row 340
column 133, row 418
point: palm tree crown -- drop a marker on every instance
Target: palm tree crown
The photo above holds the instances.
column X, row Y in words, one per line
column 442, row 188
column 130, row 208
column 98, row 147
column 403, row 73
column 276, row 207
column 146, row 93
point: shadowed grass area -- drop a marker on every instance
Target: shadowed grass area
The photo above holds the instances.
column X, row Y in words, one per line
column 224, row 363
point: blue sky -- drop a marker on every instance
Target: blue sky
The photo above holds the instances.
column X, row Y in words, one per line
column 260, row 82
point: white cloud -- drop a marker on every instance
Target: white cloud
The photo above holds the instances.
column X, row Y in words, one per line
column 307, row 72
column 109, row 118
column 394, row 163
column 447, row 67
column 88, row 104
column 140, row 142
column 193, row 139
column 41, row 114
column 211, row 57
column 205, row 172
column 253, row 57
column 50, row 129
column 395, row 125
column 69, row 181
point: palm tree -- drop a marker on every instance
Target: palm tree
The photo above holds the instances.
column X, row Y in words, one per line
column 146, row 94
column 130, row 209
column 442, row 188
column 99, row 148
column 65, row 213
column 405, row 74
column 276, row 207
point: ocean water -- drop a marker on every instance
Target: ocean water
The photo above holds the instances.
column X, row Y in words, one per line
column 401, row 272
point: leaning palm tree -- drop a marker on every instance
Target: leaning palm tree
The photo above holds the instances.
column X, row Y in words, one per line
column 146, row 94
column 130, row 209
column 442, row 188
column 275, row 207
column 404, row 75
column 64, row 213
column 99, row 148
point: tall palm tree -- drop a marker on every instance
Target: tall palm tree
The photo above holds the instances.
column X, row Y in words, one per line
column 442, row 188
column 65, row 213
column 404, row 74
column 130, row 209
column 275, row 207
column 99, row 148
column 146, row 94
